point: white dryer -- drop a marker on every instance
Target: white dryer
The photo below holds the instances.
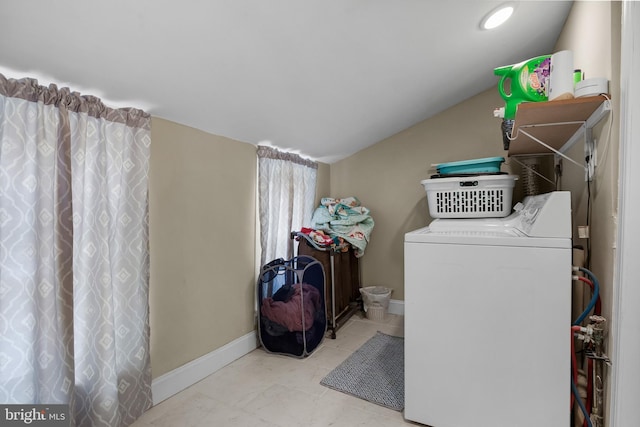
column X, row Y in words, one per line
column 487, row 318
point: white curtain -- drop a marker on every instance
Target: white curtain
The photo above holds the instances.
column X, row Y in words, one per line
column 287, row 189
column 74, row 254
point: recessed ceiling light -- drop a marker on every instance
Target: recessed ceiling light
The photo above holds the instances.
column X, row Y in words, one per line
column 497, row 17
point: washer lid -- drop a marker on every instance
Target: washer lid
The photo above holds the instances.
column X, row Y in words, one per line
column 502, row 226
column 498, row 237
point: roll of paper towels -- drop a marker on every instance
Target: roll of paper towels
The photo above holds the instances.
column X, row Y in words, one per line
column 561, row 75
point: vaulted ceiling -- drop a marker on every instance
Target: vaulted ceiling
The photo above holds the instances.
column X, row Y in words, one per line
column 325, row 78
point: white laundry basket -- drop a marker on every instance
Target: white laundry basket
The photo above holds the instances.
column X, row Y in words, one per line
column 375, row 300
column 482, row 196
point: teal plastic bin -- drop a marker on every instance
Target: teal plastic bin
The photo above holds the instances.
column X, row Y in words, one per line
column 485, row 165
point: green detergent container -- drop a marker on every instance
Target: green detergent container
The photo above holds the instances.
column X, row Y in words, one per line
column 526, row 81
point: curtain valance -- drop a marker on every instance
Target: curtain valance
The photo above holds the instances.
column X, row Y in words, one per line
column 29, row 90
column 272, row 153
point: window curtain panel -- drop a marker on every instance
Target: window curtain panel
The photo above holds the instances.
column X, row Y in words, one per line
column 287, row 189
column 74, row 252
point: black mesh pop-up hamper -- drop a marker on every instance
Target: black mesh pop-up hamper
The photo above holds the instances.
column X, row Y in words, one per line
column 292, row 317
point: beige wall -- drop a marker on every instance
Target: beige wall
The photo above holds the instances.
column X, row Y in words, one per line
column 202, row 240
column 386, row 178
column 204, row 245
column 592, row 33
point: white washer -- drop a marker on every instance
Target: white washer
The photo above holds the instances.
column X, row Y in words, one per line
column 487, row 318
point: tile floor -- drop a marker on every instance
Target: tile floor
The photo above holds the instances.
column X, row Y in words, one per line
column 262, row 389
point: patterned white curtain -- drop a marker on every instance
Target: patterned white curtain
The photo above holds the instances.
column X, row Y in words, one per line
column 287, row 190
column 74, row 255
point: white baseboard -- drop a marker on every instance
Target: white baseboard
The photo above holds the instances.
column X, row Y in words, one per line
column 396, row 306
column 190, row 373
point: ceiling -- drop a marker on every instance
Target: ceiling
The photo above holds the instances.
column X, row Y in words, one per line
column 324, row 78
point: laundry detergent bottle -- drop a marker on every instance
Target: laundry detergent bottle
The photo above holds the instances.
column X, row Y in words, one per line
column 526, row 81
